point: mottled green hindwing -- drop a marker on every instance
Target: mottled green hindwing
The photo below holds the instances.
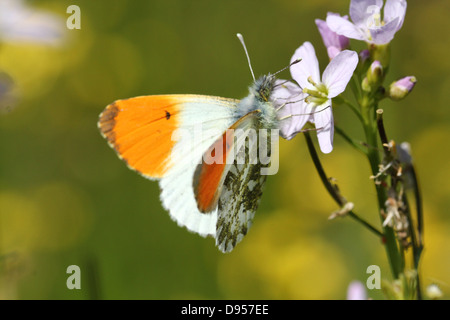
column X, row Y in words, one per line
column 240, row 197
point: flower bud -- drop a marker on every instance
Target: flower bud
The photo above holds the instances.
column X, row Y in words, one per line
column 400, row 88
column 375, row 73
column 365, row 85
column 364, row 55
column 374, row 77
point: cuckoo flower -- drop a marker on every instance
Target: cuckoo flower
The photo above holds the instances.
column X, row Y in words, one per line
column 356, row 291
column 316, row 104
column 333, row 42
column 20, row 23
column 368, row 23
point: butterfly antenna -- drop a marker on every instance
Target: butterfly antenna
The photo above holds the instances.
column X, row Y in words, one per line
column 291, row 64
column 241, row 38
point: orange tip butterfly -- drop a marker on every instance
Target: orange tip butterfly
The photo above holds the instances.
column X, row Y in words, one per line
column 153, row 135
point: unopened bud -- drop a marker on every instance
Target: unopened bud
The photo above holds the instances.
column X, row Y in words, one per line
column 374, row 77
column 364, row 55
column 375, row 73
column 365, row 85
column 400, row 88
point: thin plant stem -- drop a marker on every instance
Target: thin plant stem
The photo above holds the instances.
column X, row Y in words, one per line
column 415, row 245
column 419, row 245
column 365, row 223
column 419, row 210
column 332, row 189
column 354, row 85
column 382, row 133
column 353, row 108
column 347, row 138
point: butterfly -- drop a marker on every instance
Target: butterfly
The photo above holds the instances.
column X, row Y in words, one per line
column 154, row 136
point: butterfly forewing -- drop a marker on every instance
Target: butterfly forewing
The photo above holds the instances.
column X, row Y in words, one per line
column 157, row 137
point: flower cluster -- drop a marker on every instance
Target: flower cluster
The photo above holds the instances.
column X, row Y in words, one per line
column 310, row 98
column 367, row 23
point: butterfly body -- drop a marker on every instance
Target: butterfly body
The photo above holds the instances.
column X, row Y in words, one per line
column 155, row 136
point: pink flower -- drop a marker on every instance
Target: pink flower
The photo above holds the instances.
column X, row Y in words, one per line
column 356, row 291
column 21, row 23
column 312, row 100
column 367, row 22
column 333, row 42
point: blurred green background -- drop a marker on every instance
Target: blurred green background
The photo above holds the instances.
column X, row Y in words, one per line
column 65, row 198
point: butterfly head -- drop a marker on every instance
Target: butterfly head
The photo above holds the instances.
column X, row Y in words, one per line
column 259, row 100
column 263, row 87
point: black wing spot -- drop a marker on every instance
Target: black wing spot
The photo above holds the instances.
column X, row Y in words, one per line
column 168, row 115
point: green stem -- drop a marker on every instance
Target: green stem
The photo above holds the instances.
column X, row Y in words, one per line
column 353, row 143
column 332, row 190
column 418, row 198
column 365, row 223
column 370, row 129
column 416, row 248
column 355, row 86
column 353, row 108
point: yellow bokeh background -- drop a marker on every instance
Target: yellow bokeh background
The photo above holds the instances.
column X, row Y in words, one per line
column 65, row 198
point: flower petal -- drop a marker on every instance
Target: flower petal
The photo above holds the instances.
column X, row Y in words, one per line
column 332, row 52
column 308, row 67
column 339, row 72
column 344, row 27
column 323, row 119
column 384, row 34
column 330, row 38
column 326, row 33
column 395, row 9
column 361, row 10
column 356, row 291
column 20, row 23
column 293, row 115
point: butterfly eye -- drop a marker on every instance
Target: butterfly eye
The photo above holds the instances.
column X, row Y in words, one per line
column 264, row 92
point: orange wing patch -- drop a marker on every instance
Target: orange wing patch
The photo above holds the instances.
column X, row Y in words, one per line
column 140, row 130
column 209, row 176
